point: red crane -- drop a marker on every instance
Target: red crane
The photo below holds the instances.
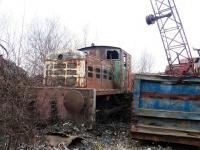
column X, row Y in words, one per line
column 173, row 37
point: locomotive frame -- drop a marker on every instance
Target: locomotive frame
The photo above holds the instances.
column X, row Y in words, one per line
column 88, row 81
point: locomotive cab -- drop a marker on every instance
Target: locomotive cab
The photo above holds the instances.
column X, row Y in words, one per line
column 85, row 83
column 105, row 68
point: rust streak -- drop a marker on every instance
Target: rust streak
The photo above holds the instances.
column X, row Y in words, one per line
column 147, row 95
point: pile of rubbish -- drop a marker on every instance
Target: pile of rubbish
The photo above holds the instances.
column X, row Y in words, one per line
column 71, row 136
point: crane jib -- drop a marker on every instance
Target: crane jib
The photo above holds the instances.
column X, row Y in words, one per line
column 173, row 37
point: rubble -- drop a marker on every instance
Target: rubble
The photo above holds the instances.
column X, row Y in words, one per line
column 111, row 136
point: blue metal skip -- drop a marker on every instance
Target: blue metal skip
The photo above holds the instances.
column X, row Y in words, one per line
column 166, row 108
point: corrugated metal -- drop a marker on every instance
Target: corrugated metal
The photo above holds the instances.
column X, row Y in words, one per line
column 167, row 109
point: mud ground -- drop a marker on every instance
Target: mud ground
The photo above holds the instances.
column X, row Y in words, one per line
column 110, row 136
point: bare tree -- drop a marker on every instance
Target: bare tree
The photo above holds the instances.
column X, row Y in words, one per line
column 15, row 118
column 3, row 43
column 11, row 39
column 28, row 46
column 85, row 35
column 43, row 37
column 145, row 63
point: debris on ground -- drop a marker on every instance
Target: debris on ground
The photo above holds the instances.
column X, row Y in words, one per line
column 56, row 139
column 112, row 136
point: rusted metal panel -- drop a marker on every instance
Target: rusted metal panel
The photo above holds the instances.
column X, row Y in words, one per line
column 108, row 91
column 61, row 103
column 103, row 82
column 166, row 106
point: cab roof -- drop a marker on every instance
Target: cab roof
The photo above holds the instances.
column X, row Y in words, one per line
column 94, row 47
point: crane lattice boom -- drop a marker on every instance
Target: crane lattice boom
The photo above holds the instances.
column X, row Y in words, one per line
column 172, row 33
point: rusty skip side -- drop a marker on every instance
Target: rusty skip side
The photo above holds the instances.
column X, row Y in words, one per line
column 61, row 103
column 166, row 108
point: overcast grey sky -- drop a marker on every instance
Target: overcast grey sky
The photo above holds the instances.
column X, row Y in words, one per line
column 111, row 22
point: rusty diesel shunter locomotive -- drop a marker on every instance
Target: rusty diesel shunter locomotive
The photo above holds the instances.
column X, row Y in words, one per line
column 79, row 84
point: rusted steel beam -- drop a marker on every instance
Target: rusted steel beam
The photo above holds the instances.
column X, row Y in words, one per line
column 108, row 91
column 168, row 131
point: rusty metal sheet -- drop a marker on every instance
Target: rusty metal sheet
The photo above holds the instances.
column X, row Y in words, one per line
column 61, row 103
column 166, row 106
column 99, row 83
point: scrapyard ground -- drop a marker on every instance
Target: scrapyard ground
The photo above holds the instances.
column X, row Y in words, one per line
column 110, row 136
